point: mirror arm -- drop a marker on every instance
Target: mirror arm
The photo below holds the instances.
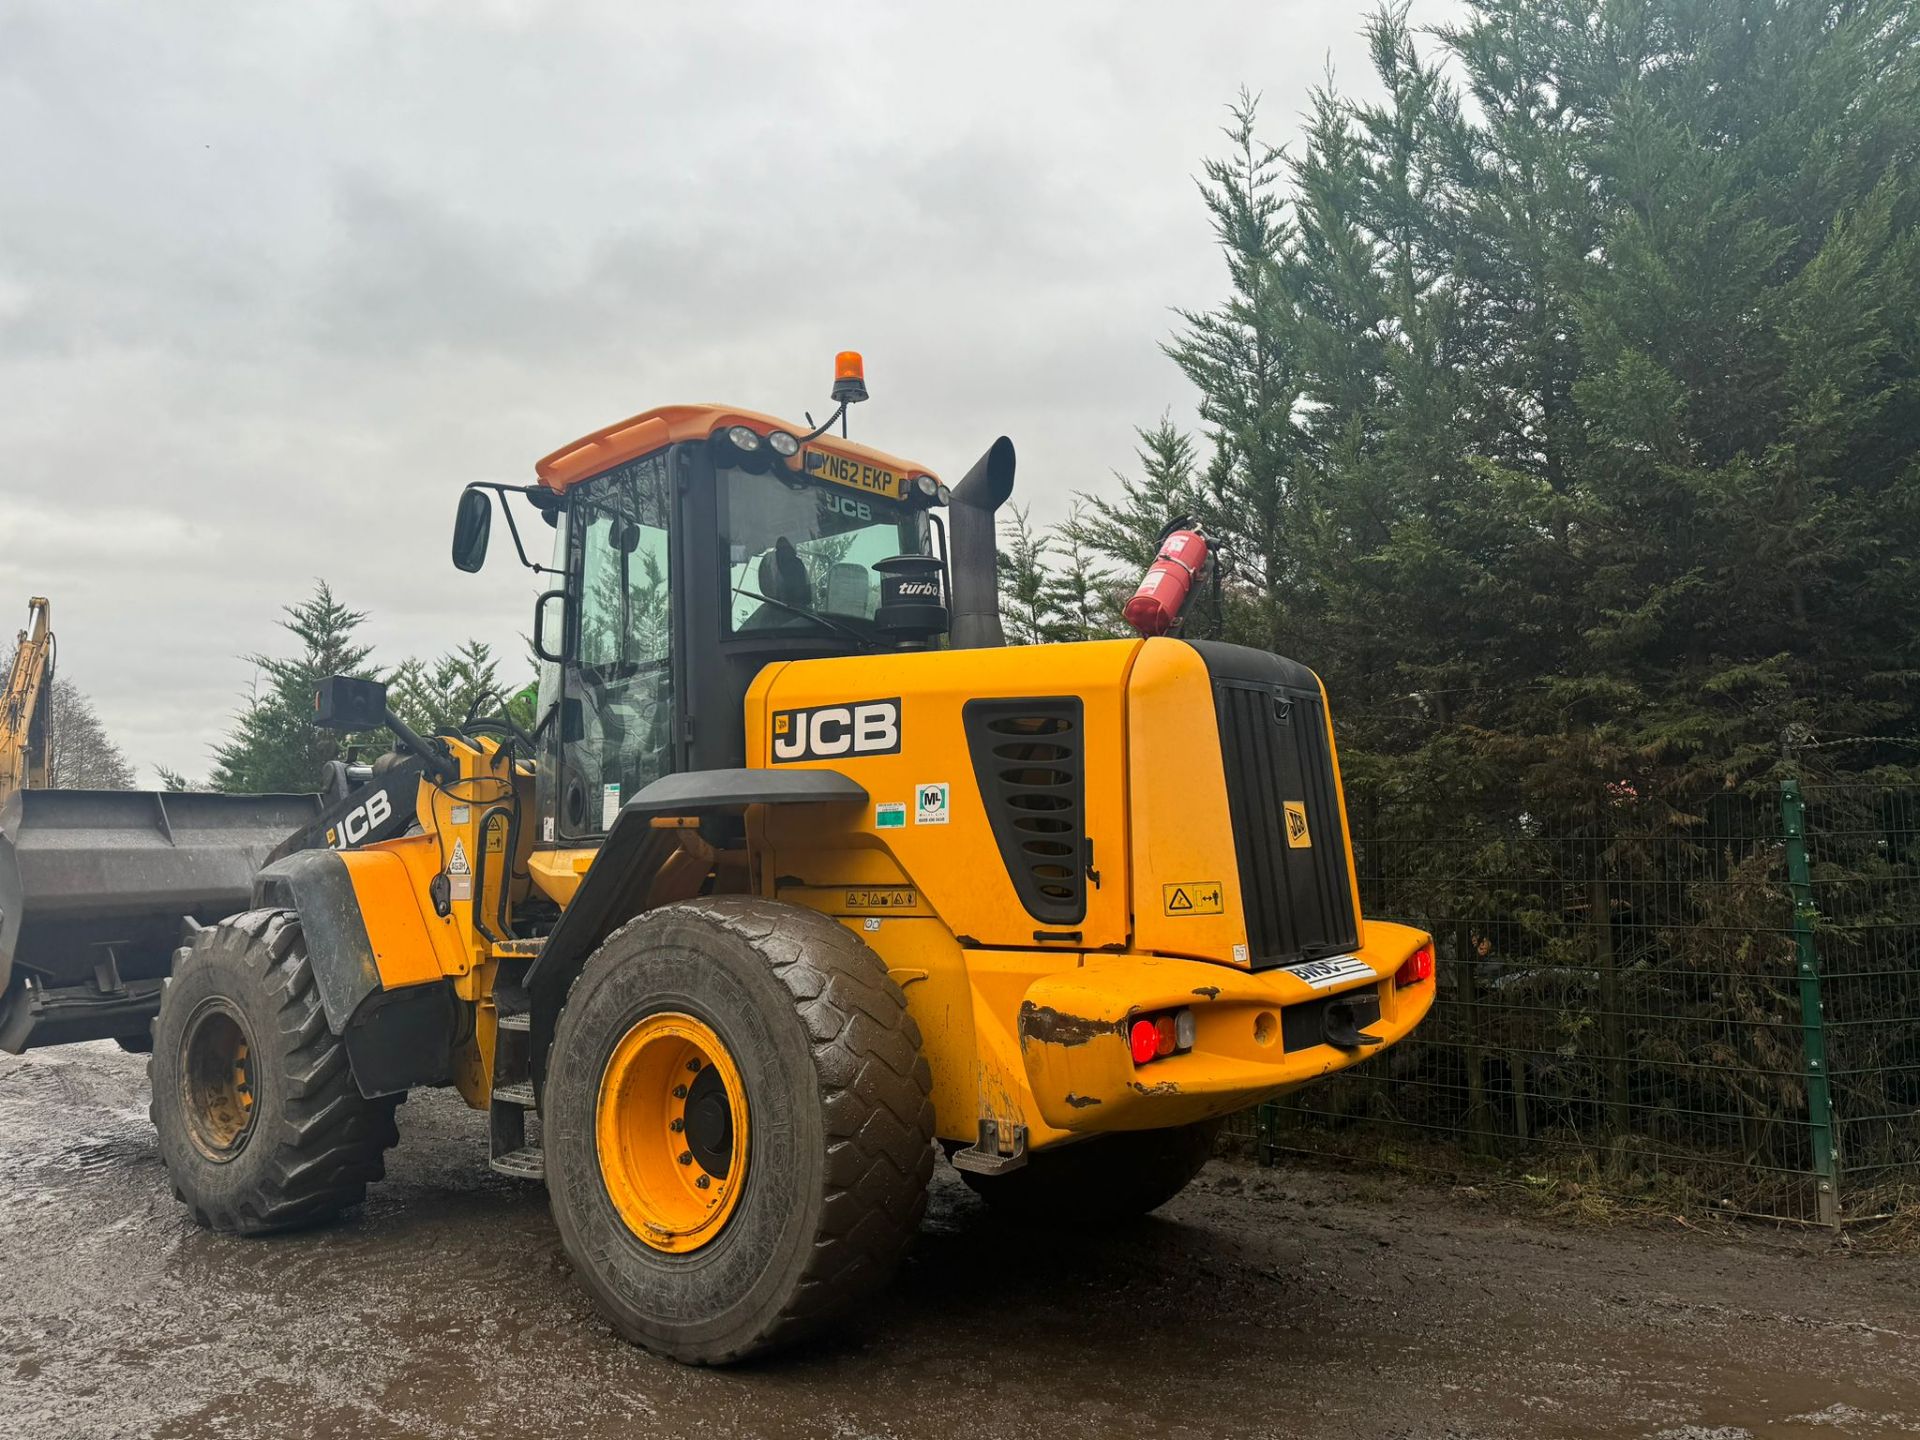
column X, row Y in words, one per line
column 513, row 529
column 438, row 763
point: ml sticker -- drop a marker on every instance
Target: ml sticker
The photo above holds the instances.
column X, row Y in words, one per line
column 1298, row 837
column 1325, row 974
column 1192, row 897
column 930, row 804
column 822, row 732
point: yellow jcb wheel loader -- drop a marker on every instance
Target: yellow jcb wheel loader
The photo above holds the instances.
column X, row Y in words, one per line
column 801, row 870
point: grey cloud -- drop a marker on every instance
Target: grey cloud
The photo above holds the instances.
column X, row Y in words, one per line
column 275, row 280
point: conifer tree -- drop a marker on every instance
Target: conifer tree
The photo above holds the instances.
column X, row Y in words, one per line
column 1243, row 358
column 1025, row 579
column 274, row 745
column 1125, row 530
column 1562, row 409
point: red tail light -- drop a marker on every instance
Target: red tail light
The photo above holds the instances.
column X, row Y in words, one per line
column 1144, row 1041
column 1419, row 967
column 1154, row 1037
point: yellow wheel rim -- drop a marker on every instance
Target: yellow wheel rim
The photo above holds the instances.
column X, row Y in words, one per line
column 216, row 1080
column 670, row 1125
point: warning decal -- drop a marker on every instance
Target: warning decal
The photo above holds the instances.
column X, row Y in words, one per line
column 459, row 873
column 883, row 897
column 1298, row 837
column 1192, row 897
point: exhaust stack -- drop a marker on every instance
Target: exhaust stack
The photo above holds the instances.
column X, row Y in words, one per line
column 976, row 579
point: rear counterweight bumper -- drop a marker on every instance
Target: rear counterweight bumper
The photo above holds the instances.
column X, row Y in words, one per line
column 1256, row 1035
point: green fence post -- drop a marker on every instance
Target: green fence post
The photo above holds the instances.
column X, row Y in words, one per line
column 1466, row 975
column 1813, row 1031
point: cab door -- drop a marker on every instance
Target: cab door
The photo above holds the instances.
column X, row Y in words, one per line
column 617, row 731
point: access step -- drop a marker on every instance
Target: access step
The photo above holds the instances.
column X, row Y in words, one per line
column 519, row 1093
column 520, row 1021
column 985, row 1158
column 526, row 1163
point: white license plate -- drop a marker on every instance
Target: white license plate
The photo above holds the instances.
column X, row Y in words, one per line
column 1325, row 974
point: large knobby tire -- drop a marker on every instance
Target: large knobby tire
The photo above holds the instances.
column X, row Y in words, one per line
column 261, row 1125
column 1103, row 1180
column 835, row 1143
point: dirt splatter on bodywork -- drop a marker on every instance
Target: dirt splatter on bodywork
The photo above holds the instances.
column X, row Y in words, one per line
column 1047, row 1026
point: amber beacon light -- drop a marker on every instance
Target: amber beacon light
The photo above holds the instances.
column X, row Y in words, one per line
column 849, row 377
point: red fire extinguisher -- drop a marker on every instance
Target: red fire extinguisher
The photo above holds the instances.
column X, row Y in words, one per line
column 1156, row 605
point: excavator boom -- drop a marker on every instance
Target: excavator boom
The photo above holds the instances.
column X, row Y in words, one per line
column 26, row 706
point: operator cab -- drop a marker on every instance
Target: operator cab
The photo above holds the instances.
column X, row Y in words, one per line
column 694, row 545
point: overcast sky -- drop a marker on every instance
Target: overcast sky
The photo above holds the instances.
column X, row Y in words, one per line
column 276, row 280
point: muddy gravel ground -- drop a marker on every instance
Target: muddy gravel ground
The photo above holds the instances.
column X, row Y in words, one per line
column 1283, row 1303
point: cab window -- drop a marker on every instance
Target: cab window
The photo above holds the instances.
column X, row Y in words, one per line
column 619, row 671
column 801, row 554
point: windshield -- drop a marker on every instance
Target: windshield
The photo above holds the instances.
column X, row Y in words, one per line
column 801, row 555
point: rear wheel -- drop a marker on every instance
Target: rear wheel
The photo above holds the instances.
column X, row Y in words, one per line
column 739, row 1126
column 260, row 1123
column 1108, row 1178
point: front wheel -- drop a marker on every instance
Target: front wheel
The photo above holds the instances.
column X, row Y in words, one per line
column 261, row 1125
column 1101, row 1180
column 739, row 1126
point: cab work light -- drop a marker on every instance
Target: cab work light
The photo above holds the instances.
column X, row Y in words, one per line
column 782, row 444
column 1419, row 967
column 743, row 439
column 1154, row 1037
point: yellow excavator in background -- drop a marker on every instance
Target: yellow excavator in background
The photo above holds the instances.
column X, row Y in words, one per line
column 26, row 706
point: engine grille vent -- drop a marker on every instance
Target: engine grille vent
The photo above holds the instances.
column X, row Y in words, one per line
column 1293, row 857
column 1029, row 761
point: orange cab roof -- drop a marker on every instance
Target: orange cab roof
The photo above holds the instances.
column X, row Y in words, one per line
column 648, row 431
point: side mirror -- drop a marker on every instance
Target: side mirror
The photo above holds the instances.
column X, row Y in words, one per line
column 472, row 524
column 550, row 626
column 342, row 702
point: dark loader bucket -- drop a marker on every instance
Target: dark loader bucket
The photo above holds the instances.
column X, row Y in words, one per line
column 95, row 890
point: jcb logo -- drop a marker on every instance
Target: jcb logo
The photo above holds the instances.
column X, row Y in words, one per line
column 1298, row 836
column 361, row 821
column 870, row 727
column 850, row 506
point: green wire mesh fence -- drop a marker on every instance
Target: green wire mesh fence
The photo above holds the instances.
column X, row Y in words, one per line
column 1723, row 1014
